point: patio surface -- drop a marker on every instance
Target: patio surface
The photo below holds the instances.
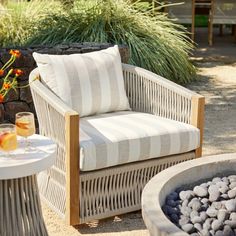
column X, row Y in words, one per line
column 217, row 82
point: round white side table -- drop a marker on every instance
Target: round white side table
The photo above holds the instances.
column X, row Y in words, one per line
column 20, row 208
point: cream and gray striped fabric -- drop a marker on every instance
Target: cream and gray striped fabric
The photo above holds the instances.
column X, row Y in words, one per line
column 90, row 83
column 121, row 137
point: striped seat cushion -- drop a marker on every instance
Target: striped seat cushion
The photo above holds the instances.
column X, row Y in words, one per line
column 90, row 83
column 121, row 137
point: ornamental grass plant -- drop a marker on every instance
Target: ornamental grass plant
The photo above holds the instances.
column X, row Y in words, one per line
column 18, row 21
column 155, row 42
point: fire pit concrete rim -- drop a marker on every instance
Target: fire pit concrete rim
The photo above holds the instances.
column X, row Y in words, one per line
column 154, row 218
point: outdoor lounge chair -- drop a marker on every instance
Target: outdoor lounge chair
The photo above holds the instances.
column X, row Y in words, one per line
column 104, row 160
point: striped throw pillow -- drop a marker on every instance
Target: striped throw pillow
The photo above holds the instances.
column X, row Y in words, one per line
column 90, row 83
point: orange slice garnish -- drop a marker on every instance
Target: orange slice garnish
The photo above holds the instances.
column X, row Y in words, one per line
column 22, row 124
column 2, row 136
column 8, row 142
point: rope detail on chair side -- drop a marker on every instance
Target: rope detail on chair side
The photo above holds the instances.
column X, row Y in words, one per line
column 117, row 190
column 150, row 93
column 52, row 182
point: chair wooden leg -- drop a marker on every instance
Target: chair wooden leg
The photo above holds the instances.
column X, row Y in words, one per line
column 210, row 24
column 72, row 167
column 197, row 119
column 193, row 21
column 221, row 30
column 234, row 32
column 210, row 34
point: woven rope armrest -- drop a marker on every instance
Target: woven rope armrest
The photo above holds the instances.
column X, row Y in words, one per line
column 150, row 93
column 59, row 122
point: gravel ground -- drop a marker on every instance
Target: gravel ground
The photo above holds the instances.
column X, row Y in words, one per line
column 217, row 82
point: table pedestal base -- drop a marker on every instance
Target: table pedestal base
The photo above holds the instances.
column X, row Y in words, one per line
column 20, row 208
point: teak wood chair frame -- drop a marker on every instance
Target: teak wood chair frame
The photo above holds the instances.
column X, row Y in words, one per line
column 79, row 196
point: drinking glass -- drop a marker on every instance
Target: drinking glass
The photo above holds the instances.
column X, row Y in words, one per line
column 8, row 140
column 25, row 126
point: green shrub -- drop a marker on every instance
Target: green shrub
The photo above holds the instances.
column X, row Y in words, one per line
column 155, row 42
column 18, row 21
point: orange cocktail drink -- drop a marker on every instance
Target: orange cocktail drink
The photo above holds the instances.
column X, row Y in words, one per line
column 25, row 126
column 8, row 139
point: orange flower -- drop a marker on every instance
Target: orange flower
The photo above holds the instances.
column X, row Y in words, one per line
column 6, row 86
column 1, row 98
column 15, row 53
column 1, row 72
column 18, row 72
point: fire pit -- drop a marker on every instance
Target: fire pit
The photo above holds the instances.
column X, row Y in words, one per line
column 192, row 186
